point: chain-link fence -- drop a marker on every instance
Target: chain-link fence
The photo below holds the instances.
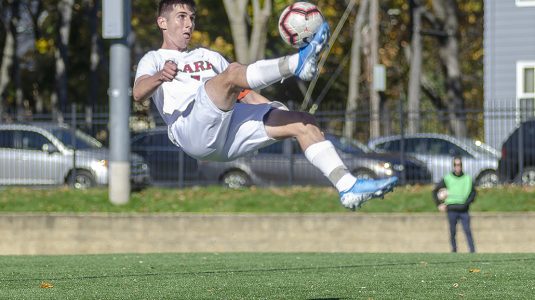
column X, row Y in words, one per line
column 35, row 150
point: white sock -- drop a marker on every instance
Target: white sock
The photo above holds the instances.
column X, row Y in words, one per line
column 266, row 72
column 346, row 182
column 293, row 60
column 323, row 156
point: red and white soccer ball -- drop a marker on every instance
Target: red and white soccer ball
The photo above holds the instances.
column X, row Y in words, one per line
column 298, row 23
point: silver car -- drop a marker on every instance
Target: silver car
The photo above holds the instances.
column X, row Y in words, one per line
column 283, row 163
column 42, row 154
column 437, row 150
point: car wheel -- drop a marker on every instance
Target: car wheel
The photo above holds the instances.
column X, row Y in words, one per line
column 81, row 180
column 364, row 174
column 528, row 176
column 487, row 179
column 235, row 179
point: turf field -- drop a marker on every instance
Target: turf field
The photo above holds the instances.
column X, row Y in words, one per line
column 269, row 276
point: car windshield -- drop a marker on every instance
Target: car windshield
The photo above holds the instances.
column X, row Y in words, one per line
column 82, row 140
column 347, row 145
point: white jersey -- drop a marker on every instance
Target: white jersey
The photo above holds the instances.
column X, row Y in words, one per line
column 195, row 67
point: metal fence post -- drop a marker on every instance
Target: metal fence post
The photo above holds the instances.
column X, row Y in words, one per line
column 521, row 153
column 73, row 142
column 402, row 141
column 291, row 158
column 181, row 168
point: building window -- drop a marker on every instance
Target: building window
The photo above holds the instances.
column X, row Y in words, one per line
column 525, row 2
column 525, row 90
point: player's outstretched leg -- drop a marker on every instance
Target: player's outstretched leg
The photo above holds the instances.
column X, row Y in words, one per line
column 366, row 189
column 307, row 66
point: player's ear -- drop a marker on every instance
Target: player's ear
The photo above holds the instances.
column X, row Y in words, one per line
column 162, row 23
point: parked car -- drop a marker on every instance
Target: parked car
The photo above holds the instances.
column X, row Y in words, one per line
column 168, row 164
column 43, row 154
column 437, row 150
column 517, row 163
column 284, row 163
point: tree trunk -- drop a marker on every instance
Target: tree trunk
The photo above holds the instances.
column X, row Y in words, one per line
column 258, row 35
column 386, row 120
column 447, row 13
column 236, row 12
column 415, row 69
column 95, row 58
column 5, row 67
column 35, row 11
column 61, row 57
column 354, row 72
column 10, row 61
column 375, row 104
column 247, row 49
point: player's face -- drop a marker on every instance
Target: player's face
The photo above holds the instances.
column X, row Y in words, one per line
column 177, row 27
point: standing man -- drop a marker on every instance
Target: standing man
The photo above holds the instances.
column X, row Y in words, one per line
column 213, row 113
column 456, row 200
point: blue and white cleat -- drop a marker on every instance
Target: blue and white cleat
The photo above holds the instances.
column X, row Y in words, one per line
column 307, row 67
column 366, row 189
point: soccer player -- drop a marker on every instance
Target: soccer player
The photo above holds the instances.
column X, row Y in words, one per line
column 213, row 113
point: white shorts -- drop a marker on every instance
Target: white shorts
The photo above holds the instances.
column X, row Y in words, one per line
column 205, row 132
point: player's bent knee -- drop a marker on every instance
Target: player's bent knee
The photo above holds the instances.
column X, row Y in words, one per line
column 235, row 70
column 233, row 75
column 307, row 124
column 233, row 67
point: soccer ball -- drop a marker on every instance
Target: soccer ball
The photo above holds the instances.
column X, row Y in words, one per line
column 298, row 23
column 442, row 194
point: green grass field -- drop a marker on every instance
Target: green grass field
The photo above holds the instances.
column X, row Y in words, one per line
column 269, row 276
column 405, row 199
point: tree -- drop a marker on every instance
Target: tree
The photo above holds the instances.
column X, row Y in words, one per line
column 248, row 49
column 354, row 71
column 447, row 13
column 373, row 59
column 9, row 70
column 445, row 28
column 96, row 53
column 415, row 74
column 63, row 28
column 35, row 13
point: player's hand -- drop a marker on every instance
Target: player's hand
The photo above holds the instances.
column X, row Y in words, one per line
column 442, row 207
column 169, row 71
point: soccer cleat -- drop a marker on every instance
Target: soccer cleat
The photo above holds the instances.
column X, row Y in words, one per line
column 307, row 67
column 366, row 189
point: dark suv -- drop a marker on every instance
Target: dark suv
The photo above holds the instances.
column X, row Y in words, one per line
column 517, row 163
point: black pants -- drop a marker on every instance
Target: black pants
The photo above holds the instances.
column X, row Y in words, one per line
column 453, row 217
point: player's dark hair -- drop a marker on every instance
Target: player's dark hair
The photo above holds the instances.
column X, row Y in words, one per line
column 457, row 158
column 167, row 5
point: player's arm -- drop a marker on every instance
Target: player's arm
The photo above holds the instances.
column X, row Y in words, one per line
column 438, row 186
column 472, row 196
column 146, row 85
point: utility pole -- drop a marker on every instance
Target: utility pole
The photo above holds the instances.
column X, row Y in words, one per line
column 116, row 27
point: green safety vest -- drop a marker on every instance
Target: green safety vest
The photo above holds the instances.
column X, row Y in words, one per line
column 459, row 188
